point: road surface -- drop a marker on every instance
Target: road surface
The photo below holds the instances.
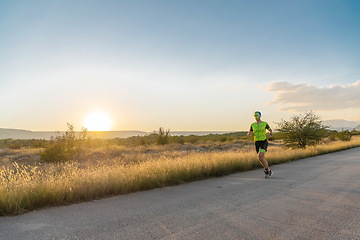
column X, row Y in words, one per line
column 314, row 198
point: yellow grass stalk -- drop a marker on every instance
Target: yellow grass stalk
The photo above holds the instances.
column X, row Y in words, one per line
column 25, row 188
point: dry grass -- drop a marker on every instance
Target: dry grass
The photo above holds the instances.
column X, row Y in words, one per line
column 121, row 170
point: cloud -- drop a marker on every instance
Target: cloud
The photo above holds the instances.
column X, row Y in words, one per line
column 305, row 97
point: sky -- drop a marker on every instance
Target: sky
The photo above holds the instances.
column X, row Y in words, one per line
column 181, row 65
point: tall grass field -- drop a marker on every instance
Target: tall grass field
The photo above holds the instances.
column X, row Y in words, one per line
column 28, row 187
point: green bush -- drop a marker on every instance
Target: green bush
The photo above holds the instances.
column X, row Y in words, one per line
column 181, row 140
column 223, row 139
column 163, row 136
column 344, row 135
column 65, row 147
column 192, row 139
column 22, row 143
column 332, row 137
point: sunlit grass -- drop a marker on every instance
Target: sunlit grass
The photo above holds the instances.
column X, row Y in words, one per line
column 24, row 188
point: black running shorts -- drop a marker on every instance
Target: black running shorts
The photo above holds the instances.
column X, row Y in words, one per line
column 261, row 146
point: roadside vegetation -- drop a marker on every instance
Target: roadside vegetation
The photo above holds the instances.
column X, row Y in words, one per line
column 302, row 130
column 72, row 168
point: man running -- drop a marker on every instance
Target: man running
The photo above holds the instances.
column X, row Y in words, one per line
column 258, row 129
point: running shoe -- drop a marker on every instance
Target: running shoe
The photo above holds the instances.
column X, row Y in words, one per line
column 266, row 171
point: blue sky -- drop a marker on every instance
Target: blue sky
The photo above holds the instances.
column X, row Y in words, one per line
column 182, row 65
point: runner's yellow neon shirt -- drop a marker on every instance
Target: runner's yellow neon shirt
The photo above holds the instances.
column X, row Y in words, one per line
column 259, row 130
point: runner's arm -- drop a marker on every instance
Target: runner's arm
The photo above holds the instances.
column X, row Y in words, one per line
column 250, row 132
column 269, row 129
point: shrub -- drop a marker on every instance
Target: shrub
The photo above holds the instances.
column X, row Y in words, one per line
column 22, row 143
column 64, row 147
column 177, row 139
column 162, row 137
column 223, row 139
column 344, row 135
column 332, row 137
column 192, row 139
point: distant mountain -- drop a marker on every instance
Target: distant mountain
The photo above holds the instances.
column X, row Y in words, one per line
column 357, row 128
column 25, row 134
column 198, row 133
column 341, row 124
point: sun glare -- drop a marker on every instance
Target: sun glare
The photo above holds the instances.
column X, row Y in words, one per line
column 98, row 121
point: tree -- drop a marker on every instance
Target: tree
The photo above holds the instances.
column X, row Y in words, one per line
column 302, row 130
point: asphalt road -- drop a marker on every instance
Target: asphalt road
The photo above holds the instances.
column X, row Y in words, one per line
column 314, row 198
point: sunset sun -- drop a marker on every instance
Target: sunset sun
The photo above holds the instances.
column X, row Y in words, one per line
column 98, row 121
